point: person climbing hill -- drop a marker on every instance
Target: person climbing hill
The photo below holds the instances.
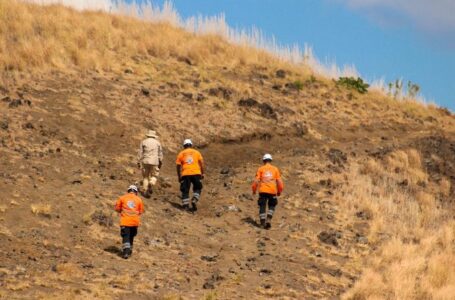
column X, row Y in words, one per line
column 130, row 208
column 150, row 160
column 190, row 171
column 268, row 182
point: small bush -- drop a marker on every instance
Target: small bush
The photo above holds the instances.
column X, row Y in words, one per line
column 99, row 217
column 356, row 84
column 295, row 85
column 312, row 79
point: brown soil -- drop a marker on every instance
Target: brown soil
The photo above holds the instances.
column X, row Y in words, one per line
column 69, row 141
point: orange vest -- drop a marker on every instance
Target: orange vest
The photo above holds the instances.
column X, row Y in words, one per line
column 189, row 160
column 130, row 208
column 268, row 180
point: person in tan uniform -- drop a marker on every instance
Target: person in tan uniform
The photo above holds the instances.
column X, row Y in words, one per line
column 150, row 160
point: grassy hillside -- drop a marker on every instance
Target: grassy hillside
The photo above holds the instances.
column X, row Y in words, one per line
column 368, row 211
column 36, row 37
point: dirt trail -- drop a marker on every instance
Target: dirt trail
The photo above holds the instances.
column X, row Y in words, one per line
column 218, row 248
column 69, row 153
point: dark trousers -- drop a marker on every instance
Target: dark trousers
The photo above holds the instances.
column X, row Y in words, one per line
column 264, row 200
column 185, row 185
column 128, row 233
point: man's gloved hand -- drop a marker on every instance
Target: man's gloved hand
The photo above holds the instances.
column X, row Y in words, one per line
column 202, row 176
column 279, row 194
column 160, row 164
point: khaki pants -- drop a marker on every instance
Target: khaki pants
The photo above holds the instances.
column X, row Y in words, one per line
column 149, row 175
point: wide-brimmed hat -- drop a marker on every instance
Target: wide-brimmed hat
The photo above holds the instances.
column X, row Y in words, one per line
column 151, row 133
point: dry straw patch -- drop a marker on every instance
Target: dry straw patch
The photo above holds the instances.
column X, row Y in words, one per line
column 415, row 236
column 41, row 209
column 33, row 36
column 445, row 187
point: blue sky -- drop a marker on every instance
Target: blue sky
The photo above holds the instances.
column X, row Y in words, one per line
column 409, row 39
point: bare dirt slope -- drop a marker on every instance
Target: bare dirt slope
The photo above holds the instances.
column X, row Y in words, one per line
column 68, row 146
column 74, row 106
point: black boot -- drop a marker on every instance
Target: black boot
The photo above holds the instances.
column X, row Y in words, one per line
column 194, row 206
column 186, row 207
column 126, row 253
column 268, row 224
column 263, row 223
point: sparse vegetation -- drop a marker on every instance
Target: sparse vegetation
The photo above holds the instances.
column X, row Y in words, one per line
column 298, row 85
column 312, row 79
column 211, row 296
column 397, row 91
column 99, row 217
column 415, row 236
column 357, row 84
column 41, row 209
column 295, row 85
column 354, row 187
column 413, row 90
column 33, row 38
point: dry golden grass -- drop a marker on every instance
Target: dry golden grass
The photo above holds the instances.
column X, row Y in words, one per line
column 68, row 271
column 445, row 187
column 414, row 236
column 41, row 209
column 33, row 36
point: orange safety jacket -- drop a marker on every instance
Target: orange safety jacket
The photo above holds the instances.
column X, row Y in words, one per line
column 130, row 208
column 190, row 160
column 268, row 180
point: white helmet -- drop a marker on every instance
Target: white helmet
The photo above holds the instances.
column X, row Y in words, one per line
column 267, row 157
column 187, row 142
column 132, row 188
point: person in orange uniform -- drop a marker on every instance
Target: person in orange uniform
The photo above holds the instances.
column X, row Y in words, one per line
column 268, row 182
column 130, row 207
column 190, row 171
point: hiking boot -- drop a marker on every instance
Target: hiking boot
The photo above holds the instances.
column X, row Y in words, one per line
column 186, row 207
column 263, row 224
column 268, row 225
column 194, row 206
column 126, row 253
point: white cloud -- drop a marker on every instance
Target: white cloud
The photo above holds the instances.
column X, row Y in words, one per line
column 435, row 18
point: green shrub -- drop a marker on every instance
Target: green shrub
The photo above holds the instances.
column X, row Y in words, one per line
column 295, row 85
column 312, row 79
column 298, row 85
column 352, row 83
